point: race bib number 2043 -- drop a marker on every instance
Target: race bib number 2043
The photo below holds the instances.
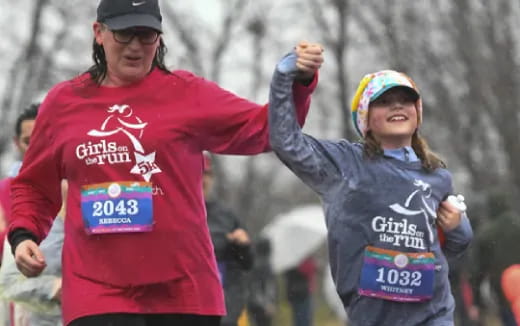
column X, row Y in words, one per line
column 117, row 207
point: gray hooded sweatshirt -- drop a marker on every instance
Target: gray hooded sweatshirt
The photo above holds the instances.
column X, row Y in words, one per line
column 375, row 210
column 35, row 294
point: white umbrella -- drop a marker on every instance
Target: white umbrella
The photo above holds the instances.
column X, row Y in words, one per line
column 295, row 235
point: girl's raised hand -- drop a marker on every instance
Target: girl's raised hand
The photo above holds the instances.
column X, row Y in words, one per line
column 310, row 59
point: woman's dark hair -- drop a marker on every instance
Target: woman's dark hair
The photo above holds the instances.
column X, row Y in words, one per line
column 429, row 160
column 98, row 71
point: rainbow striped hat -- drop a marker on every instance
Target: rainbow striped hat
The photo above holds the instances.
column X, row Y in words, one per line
column 371, row 87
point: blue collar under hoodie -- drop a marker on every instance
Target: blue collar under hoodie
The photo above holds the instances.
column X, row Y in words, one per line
column 405, row 154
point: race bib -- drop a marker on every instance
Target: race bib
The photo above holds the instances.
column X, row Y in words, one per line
column 397, row 276
column 117, row 207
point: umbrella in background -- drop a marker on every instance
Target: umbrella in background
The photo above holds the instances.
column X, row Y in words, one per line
column 295, row 235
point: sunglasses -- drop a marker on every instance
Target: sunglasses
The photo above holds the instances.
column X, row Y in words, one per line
column 144, row 35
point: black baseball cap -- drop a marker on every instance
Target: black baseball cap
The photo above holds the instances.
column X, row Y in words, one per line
column 122, row 14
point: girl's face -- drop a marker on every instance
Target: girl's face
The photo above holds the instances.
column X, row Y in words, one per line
column 129, row 53
column 392, row 117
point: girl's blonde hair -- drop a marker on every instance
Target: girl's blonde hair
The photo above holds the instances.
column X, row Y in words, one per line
column 429, row 160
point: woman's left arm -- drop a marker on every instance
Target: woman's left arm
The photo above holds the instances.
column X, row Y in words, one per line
column 229, row 124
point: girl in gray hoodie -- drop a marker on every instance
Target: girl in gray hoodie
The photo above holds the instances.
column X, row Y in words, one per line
column 384, row 201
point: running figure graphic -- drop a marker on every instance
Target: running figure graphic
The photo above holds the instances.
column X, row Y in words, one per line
column 144, row 163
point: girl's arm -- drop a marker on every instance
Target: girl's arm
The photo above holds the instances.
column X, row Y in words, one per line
column 316, row 162
column 458, row 239
column 457, row 229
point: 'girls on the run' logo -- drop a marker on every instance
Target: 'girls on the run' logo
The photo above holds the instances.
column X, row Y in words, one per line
column 403, row 229
column 120, row 120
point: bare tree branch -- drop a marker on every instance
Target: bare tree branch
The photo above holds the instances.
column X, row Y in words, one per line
column 339, row 46
column 233, row 11
column 187, row 36
column 18, row 92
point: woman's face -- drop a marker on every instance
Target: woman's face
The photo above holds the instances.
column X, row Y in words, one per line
column 129, row 53
column 392, row 117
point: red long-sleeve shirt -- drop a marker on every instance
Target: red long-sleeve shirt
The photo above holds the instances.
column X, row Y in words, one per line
column 155, row 131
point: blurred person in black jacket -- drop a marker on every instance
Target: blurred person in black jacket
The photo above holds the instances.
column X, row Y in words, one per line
column 232, row 246
column 300, row 286
column 495, row 249
column 263, row 291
